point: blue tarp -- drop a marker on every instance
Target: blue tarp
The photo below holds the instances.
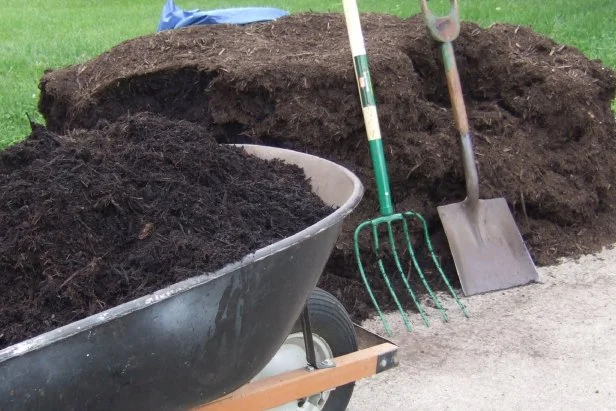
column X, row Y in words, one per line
column 174, row 17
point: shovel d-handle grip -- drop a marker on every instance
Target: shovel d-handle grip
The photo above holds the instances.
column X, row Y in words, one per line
column 443, row 28
column 368, row 105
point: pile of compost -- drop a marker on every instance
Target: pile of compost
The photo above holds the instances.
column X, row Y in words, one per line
column 540, row 114
column 97, row 218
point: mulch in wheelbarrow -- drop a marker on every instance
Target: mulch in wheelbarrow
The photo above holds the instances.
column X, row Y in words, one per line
column 97, row 218
column 544, row 132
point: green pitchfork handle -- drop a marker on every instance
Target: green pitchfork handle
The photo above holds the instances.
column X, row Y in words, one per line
column 368, row 104
column 445, row 30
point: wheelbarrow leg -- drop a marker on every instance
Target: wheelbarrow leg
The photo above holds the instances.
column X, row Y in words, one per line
column 311, row 355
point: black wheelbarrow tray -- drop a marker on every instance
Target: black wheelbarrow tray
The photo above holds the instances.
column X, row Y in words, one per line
column 201, row 342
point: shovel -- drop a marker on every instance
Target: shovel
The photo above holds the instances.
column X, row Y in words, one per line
column 487, row 247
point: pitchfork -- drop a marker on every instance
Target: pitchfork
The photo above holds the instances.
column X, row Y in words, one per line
column 388, row 216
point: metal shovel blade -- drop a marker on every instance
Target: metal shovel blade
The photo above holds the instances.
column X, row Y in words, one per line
column 488, row 250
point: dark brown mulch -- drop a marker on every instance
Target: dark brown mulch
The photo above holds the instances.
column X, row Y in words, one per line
column 540, row 114
column 98, row 218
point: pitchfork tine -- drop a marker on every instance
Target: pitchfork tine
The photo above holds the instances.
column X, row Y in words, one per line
column 436, row 262
column 365, row 279
column 386, row 277
column 392, row 241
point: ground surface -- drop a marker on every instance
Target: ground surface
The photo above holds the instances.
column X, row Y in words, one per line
column 548, row 346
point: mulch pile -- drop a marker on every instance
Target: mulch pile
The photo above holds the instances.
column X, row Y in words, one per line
column 100, row 217
column 539, row 111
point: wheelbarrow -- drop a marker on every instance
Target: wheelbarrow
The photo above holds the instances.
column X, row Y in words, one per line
column 255, row 335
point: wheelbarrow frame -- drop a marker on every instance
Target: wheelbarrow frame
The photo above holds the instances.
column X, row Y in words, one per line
column 375, row 355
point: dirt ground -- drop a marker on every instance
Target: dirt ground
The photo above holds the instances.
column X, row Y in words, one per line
column 547, row 346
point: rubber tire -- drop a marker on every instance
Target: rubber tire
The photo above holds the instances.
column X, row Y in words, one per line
column 330, row 320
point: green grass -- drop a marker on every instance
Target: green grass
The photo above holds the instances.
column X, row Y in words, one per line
column 37, row 35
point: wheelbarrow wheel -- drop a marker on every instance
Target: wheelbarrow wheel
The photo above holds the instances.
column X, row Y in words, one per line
column 333, row 335
column 331, row 325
